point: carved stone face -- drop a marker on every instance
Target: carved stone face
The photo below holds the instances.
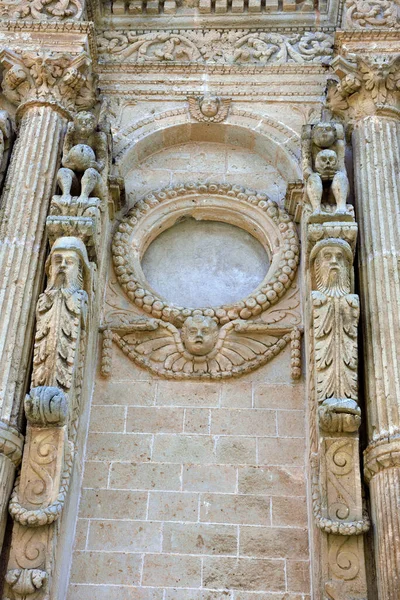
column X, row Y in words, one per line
column 65, row 270
column 326, row 162
column 324, row 135
column 199, row 335
column 209, row 106
column 332, row 271
column 85, row 123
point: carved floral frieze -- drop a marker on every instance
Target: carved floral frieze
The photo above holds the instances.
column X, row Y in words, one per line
column 216, row 47
column 42, row 10
column 363, row 14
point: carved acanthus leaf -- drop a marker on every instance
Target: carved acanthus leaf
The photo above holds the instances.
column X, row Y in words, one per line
column 53, row 77
column 42, row 10
column 216, row 47
column 60, row 316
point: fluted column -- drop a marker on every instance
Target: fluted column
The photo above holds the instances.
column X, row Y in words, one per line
column 46, row 87
column 370, row 91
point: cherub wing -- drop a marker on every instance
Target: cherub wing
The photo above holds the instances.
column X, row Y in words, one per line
column 154, row 344
column 243, row 345
column 223, row 110
column 194, row 108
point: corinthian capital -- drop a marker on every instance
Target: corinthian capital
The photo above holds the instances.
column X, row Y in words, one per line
column 42, row 10
column 48, row 78
column 369, row 85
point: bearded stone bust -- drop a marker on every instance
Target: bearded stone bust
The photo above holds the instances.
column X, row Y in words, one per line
column 199, row 335
column 332, row 267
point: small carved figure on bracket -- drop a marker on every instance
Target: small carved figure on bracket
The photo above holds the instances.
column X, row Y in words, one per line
column 85, row 155
column 323, row 151
column 209, row 109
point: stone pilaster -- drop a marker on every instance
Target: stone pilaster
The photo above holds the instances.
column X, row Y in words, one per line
column 369, row 96
column 45, row 86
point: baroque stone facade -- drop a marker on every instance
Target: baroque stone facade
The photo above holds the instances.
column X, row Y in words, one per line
column 199, row 283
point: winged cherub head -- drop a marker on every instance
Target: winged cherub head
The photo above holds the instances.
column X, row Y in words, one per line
column 209, row 106
column 199, row 335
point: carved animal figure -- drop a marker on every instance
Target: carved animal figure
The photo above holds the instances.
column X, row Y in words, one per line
column 85, row 154
column 323, row 150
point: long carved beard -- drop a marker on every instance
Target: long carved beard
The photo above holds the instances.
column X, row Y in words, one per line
column 63, row 281
column 333, row 282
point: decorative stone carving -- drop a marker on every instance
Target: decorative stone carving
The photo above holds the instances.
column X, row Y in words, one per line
column 323, row 151
column 61, row 315
column 368, row 86
column 42, row 10
column 52, row 411
column 199, row 349
column 6, row 139
column 216, row 47
column 206, row 199
column 48, row 77
column 209, row 109
column 362, row 14
column 85, row 155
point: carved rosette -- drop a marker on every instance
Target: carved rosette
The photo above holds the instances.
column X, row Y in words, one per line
column 209, row 342
column 61, row 80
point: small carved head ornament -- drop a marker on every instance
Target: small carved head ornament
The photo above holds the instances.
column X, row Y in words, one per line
column 331, row 262
column 71, row 246
column 199, row 335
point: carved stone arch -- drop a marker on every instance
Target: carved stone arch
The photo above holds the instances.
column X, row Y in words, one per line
column 276, row 143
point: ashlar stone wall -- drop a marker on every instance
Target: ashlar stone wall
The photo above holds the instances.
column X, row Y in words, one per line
column 194, row 490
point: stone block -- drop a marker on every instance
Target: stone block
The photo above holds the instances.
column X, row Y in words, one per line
column 197, row 420
column 209, row 478
column 135, row 7
column 126, row 393
column 106, row 568
column 243, row 422
column 291, row 423
column 183, row 448
column 239, row 393
column 81, row 532
column 171, row 570
column 230, row 508
column 298, row 576
column 173, row 506
column 107, row 418
column 204, row 6
column 268, row 395
column 221, row 6
column 254, row 6
column 199, row 539
column 118, row 446
column 95, row 474
column 273, row 542
column 169, row 7
column 145, row 476
column 124, row 536
column 273, row 481
column 152, row 7
column 112, row 592
column 281, row 451
column 154, row 420
column 244, row 574
column 289, row 511
column 236, row 450
column 237, row 6
column 113, row 504
column 178, row 393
